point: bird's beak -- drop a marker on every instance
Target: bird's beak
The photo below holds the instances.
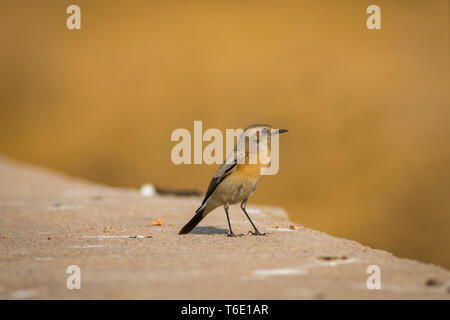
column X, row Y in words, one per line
column 275, row 132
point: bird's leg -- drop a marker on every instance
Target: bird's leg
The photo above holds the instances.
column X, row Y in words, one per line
column 256, row 233
column 230, row 233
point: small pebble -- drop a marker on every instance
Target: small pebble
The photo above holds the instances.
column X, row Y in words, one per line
column 158, row 222
column 147, row 190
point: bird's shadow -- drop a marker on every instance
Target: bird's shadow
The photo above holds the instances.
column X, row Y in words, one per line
column 209, row 230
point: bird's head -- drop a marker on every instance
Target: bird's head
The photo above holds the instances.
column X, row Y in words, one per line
column 259, row 131
column 259, row 135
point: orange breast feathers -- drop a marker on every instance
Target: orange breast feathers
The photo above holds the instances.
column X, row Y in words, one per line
column 247, row 171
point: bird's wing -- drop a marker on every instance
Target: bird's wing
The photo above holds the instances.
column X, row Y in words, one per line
column 224, row 170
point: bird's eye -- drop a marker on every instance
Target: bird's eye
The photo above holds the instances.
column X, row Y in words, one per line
column 264, row 130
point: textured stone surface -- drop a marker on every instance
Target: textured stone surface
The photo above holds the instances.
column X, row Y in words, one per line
column 49, row 221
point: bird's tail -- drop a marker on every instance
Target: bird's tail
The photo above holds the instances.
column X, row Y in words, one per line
column 194, row 221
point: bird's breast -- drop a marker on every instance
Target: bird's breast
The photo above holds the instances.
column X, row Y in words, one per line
column 239, row 184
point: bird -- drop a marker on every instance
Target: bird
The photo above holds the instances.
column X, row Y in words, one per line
column 238, row 176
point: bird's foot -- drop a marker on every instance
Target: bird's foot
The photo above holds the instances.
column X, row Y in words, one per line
column 257, row 233
column 233, row 235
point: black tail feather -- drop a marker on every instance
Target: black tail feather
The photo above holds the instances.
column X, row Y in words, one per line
column 193, row 222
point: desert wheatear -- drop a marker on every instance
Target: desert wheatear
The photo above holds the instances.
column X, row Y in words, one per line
column 238, row 177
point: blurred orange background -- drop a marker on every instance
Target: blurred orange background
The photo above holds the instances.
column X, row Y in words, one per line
column 368, row 153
